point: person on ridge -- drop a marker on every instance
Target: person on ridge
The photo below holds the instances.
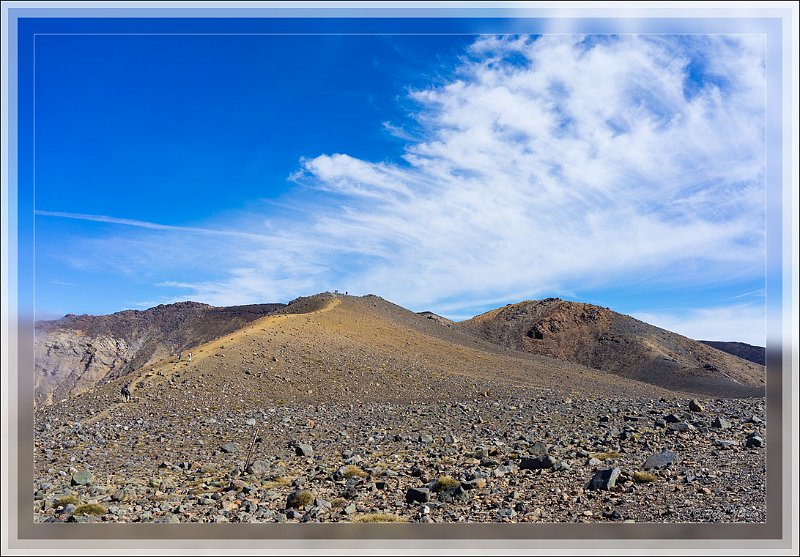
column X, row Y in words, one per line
column 126, row 393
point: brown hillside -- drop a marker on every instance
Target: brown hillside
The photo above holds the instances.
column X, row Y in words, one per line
column 607, row 341
column 345, row 349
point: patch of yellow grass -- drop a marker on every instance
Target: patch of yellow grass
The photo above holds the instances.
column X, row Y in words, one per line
column 445, row 482
column 353, row 470
column 95, row 509
column 379, row 517
column 604, row 456
column 278, row 481
column 644, row 477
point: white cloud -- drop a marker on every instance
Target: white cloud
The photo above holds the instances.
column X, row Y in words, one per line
column 742, row 323
column 544, row 165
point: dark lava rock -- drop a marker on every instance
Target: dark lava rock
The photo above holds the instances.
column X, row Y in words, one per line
column 537, row 463
column 454, row 495
column 754, row 441
column 659, row 460
column 695, row 406
column 672, row 418
column 418, row 495
column 604, row 479
column 612, row 515
column 680, row 426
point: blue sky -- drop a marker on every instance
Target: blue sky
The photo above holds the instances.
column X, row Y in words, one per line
column 451, row 173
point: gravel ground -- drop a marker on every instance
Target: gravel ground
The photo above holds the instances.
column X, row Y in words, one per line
column 522, row 457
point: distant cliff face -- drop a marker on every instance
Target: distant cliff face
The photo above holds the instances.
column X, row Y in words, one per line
column 76, row 352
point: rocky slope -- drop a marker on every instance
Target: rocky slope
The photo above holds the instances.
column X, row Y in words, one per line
column 755, row 354
column 346, row 409
column 618, row 344
column 76, row 352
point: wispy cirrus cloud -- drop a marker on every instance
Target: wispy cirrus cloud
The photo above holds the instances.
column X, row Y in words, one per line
column 738, row 322
column 148, row 225
column 544, row 165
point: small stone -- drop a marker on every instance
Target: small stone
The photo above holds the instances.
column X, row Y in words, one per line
column 659, row 460
column 475, row 483
column 537, row 463
column 69, row 508
column 721, row 423
column 562, row 466
column 671, row 418
column 604, row 479
column 303, row 449
column 680, row 426
column 350, row 509
column 259, row 467
column 425, row 438
column 251, row 422
column 695, row 406
column 725, row 443
column 228, row 448
column 537, row 449
column 754, row 441
column 84, row 477
column 612, row 515
column 506, row 513
column 455, row 494
column 418, row 495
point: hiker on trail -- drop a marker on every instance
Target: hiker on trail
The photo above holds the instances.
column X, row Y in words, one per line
column 126, row 393
column 180, row 355
column 190, row 357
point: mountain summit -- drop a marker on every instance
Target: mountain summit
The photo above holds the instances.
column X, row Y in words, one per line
column 607, row 341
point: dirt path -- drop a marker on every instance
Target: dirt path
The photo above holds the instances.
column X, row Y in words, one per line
column 165, row 369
